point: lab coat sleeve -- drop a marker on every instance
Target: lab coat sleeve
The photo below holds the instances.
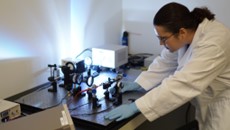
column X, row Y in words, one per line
column 161, row 67
column 205, row 65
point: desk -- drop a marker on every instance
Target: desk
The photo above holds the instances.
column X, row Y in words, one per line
column 81, row 111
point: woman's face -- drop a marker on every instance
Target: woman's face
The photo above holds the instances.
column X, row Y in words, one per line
column 171, row 41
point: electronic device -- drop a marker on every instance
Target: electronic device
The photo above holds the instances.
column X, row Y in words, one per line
column 149, row 60
column 110, row 55
column 56, row 118
column 9, row 110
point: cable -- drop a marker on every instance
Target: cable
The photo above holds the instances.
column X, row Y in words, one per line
column 58, row 102
column 72, row 109
column 87, row 49
column 92, row 113
column 84, row 114
column 86, row 90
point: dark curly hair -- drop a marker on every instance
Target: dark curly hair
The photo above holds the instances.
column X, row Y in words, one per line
column 174, row 16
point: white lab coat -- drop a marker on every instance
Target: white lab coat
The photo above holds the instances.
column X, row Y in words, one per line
column 199, row 73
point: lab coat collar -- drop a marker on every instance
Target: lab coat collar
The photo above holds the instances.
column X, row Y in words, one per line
column 199, row 32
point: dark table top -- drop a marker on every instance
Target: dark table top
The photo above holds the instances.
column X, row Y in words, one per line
column 80, row 108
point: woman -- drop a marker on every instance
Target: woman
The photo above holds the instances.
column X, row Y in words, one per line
column 194, row 66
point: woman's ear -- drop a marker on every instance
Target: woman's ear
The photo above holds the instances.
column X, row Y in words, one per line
column 182, row 33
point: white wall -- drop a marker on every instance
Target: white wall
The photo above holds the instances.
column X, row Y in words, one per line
column 96, row 22
column 138, row 16
column 32, row 33
column 35, row 33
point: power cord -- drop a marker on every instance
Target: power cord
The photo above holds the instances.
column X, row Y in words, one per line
column 91, row 113
column 87, row 49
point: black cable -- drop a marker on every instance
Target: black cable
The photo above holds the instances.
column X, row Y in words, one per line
column 58, row 102
column 92, row 113
column 72, row 109
column 84, row 114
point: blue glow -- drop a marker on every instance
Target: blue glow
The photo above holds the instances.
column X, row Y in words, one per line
column 11, row 48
